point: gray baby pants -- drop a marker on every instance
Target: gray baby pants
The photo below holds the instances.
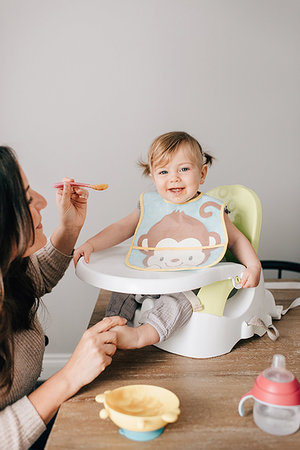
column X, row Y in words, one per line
column 169, row 313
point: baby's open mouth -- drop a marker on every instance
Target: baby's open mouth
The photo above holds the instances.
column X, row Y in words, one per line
column 176, row 190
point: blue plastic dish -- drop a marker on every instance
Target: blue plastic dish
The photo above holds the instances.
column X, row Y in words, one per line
column 141, row 435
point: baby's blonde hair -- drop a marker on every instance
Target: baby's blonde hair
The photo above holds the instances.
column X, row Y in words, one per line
column 166, row 145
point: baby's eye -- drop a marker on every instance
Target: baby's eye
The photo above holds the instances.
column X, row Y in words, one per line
column 184, row 169
column 162, row 172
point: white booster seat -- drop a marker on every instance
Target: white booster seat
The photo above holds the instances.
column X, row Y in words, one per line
column 222, row 312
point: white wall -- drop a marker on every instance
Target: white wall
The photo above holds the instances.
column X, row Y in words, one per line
column 86, row 85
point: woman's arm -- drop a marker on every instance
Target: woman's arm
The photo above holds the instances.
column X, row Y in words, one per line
column 47, row 266
column 239, row 245
column 51, row 262
column 22, row 422
column 112, row 235
column 20, row 425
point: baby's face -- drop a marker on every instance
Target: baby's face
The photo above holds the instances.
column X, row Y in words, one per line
column 178, row 180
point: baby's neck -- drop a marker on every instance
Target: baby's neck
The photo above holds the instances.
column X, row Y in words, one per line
column 196, row 195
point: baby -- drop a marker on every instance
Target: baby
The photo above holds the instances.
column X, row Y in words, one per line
column 177, row 166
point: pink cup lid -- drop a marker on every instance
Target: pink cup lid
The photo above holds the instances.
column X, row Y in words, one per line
column 283, row 394
column 275, row 386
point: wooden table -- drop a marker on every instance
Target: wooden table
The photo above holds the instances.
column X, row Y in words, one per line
column 209, row 391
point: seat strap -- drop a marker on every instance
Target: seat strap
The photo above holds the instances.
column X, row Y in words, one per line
column 294, row 304
column 194, row 300
column 256, row 322
column 259, row 323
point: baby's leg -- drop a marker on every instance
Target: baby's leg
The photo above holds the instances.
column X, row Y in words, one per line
column 169, row 313
column 123, row 305
column 129, row 337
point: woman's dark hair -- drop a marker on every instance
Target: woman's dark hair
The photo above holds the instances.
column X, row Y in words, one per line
column 18, row 302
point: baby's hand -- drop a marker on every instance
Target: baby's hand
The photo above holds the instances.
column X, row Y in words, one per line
column 251, row 277
column 84, row 250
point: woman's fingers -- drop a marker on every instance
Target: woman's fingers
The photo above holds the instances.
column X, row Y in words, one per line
column 65, row 193
column 107, row 323
column 104, row 338
column 79, row 193
column 106, row 362
column 72, row 192
column 93, row 353
column 110, row 349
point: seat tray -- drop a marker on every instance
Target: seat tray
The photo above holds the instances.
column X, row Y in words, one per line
column 107, row 270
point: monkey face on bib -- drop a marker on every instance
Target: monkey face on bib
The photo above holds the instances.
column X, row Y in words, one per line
column 179, row 256
column 177, row 240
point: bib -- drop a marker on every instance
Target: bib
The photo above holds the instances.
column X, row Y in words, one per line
column 172, row 236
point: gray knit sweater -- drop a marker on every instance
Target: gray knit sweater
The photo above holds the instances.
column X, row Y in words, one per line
column 20, row 424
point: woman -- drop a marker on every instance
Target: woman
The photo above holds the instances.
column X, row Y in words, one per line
column 30, row 266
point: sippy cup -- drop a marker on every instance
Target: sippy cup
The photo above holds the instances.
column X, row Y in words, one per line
column 276, row 394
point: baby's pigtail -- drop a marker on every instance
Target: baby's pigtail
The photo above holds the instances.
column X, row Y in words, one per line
column 145, row 167
column 207, row 158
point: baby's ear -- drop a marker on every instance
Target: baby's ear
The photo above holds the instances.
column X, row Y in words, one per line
column 203, row 174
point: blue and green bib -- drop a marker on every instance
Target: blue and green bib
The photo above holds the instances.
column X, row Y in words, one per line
column 171, row 236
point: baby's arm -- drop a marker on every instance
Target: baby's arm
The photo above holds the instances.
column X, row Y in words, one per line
column 245, row 253
column 112, row 235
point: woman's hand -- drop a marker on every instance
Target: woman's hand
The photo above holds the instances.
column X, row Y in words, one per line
column 72, row 205
column 93, row 353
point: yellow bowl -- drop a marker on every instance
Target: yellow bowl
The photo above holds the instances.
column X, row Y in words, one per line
column 139, row 407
